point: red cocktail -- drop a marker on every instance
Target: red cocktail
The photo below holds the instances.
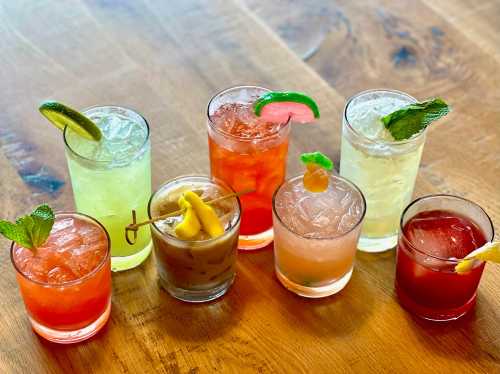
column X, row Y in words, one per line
column 247, row 152
column 66, row 282
column 436, row 231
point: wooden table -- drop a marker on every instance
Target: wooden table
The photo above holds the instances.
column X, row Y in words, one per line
column 166, row 59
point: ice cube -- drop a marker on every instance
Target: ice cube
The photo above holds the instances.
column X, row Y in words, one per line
column 68, row 241
column 111, row 126
column 60, row 275
column 62, row 224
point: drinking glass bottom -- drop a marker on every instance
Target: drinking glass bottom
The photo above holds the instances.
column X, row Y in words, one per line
column 314, row 292
column 120, row 263
column 75, row 336
column 433, row 314
column 257, row 241
column 191, row 296
column 375, row 245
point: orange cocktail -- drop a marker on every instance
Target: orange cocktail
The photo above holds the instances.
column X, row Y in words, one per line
column 315, row 235
column 247, row 152
column 66, row 282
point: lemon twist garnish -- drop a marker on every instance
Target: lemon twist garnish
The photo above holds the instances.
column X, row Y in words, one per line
column 190, row 226
column 209, row 220
column 488, row 252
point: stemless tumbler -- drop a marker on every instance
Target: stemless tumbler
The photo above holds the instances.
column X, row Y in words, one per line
column 385, row 170
column 66, row 285
column 112, row 177
column 248, row 154
column 436, row 231
column 198, row 269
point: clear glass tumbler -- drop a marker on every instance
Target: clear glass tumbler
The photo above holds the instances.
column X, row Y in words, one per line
column 385, row 170
column 247, row 153
column 436, row 231
column 315, row 235
column 196, row 270
column 66, row 283
column 112, row 177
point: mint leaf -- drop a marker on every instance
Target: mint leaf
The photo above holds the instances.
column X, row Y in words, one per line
column 30, row 231
column 43, row 218
column 15, row 233
column 413, row 118
column 317, row 158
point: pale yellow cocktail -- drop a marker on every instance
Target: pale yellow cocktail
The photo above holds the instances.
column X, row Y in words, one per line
column 384, row 169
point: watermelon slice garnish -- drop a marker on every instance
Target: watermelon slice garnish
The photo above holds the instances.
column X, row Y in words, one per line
column 280, row 107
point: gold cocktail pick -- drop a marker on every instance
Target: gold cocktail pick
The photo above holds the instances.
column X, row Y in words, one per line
column 134, row 226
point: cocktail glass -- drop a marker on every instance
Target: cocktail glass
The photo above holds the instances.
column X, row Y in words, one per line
column 384, row 169
column 435, row 231
column 66, row 286
column 112, row 177
column 247, row 153
column 204, row 268
column 315, row 235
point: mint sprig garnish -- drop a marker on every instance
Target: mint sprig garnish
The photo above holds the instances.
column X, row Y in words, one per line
column 413, row 118
column 317, row 158
column 30, row 231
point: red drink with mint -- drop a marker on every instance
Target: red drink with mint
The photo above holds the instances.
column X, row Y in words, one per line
column 65, row 280
column 436, row 232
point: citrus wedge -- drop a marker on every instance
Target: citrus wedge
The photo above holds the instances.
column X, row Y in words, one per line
column 190, row 226
column 61, row 116
column 279, row 107
column 209, row 220
column 488, row 252
column 316, row 178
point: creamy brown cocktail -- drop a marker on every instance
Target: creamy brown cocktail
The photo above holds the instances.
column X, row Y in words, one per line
column 195, row 256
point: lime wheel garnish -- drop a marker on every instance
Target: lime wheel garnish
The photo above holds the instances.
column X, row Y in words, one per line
column 61, row 116
column 317, row 176
column 280, row 107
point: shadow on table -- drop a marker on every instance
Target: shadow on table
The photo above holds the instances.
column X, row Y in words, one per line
column 462, row 339
column 143, row 312
column 60, row 356
column 337, row 315
column 199, row 322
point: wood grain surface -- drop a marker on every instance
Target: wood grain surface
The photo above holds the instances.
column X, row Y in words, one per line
column 166, row 59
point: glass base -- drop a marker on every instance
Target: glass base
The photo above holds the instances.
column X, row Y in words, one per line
column 257, row 241
column 120, row 263
column 315, row 292
column 375, row 245
column 75, row 336
column 432, row 314
column 196, row 296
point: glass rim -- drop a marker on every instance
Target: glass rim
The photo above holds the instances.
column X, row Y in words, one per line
column 74, row 281
column 214, row 127
column 375, row 141
column 431, row 196
column 103, row 162
column 214, row 181
column 351, row 184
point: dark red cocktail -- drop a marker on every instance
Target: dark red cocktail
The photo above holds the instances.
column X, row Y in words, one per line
column 436, row 231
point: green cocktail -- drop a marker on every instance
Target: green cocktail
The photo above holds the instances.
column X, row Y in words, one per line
column 112, row 176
